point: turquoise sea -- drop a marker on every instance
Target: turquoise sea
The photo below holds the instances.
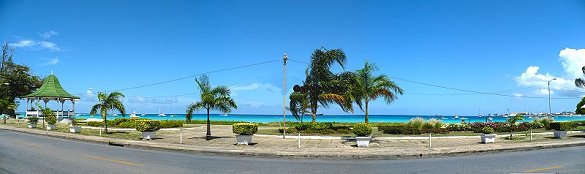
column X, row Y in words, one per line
column 331, row 118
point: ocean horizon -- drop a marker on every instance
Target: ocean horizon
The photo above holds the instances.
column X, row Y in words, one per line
column 335, row 118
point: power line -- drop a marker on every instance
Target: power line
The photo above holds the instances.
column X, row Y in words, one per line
column 195, row 75
column 478, row 92
column 496, row 93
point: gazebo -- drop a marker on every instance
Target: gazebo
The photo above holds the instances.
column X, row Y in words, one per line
column 50, row 90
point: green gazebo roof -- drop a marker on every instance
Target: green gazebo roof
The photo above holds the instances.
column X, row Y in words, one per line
column 51, row 88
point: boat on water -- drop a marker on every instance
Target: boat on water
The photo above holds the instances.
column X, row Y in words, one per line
column 456, row 116
column 133, row 115
column 225, row 115
column 162, row 114
column 318, row 114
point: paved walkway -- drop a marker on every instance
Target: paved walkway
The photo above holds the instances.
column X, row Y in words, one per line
column 315, row 146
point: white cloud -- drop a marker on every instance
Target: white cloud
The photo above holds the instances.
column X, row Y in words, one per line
column 53, row 61
column 89, row 95
column 48, row 34
column 572, row 60
column 28, row 43
column 23, row 43
column 256, row 86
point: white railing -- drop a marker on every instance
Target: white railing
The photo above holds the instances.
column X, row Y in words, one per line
column 59, row 114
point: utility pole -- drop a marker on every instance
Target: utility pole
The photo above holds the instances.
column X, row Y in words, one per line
column 548, row 85
column 284, row 59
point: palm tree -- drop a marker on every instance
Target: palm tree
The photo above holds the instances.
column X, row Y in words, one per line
column 321, row 86
column 512, row 121
column 368, row 87
column 217, row 98
column 579, row 82
column 107, row 102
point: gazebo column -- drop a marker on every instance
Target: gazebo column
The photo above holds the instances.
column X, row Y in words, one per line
column 62, row 111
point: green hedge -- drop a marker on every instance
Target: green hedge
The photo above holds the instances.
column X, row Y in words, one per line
column 147, row 125
column 245, row 128
column 131, row 123
column 317, row 128
column 362, row 129
column 406, row 130
column 563, row 126
column 94, row 123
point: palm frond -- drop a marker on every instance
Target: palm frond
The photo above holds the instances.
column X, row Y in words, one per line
column 580, row 82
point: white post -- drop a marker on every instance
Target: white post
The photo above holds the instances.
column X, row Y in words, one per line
column 299, row 140
column 284, row 97
column 100, row 131
column 180, row 136
column 430, row 140
column 530, row 135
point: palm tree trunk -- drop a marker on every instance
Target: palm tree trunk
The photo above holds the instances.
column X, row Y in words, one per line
column 208, row 135
column 367, row 119
column 106, row 123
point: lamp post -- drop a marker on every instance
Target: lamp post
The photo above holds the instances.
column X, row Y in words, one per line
column 548, row 86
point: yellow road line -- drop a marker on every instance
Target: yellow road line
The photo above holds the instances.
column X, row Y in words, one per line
column 543, row 169
column 115, row 161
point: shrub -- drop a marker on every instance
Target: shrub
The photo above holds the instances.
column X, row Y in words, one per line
column 487, row 130
column 94, row 123
column 362, row 129
column 302, row 126
column 49, row 116
column 458, row 127
column 245, row 128
column 391, row 129
column 118, row 121
column 127, row 124
column 563, row 126
column 545, row 122
column 33, row 120
column 171, row 123
column 436, row 124
column 416, row 122
column 343, row 131
column 147, row 125
column 51, row 119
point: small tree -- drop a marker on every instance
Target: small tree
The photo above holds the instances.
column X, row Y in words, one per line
column 217, row 98
column 512, row 121
column 580, row 110
column 368, row 87
column 107, row 102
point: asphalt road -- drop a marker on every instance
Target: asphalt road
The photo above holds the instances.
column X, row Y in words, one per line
column 25, row 153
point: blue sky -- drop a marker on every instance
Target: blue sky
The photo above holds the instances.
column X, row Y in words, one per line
column 506, row 47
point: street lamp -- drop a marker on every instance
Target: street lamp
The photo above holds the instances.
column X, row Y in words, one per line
column 548, row 85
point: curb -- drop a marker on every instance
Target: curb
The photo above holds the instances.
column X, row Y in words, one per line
column 343, row 155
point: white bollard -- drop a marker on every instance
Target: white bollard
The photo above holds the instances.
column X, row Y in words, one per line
column 100, row 132
column 430, row 140
column 530, row 135
column 180, row 136
column 299, row 140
